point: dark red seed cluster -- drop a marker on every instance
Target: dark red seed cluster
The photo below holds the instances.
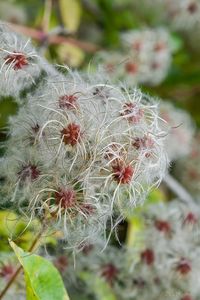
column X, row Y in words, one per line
column 137, row 45
column 66, row 198
column 163, row 226
column 132, row 113
column 71, row 134
column 109, row 272
column 29, row 172
column 86, row 248
column 61, row 263
column 147, row 256
column 6, row 271
column 131, row 67
column 186, row 297
column 122, row 173
column 159, row 46
column 192, row 7
column 144, row 143
column 18, row 60
column 68, row 101
column 190, row 218
column 87, row 208
column 183, row 266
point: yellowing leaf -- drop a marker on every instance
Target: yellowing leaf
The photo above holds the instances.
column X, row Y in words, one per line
column 70, row 13
column 70, row 55
column 17, row 227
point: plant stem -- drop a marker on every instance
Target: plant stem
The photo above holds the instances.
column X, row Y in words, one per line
column 178, row 189
column 54, row 39
column 18, row 270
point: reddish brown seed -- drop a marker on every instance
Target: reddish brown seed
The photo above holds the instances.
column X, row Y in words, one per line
column 183, row 267
column 143, row 143
column 132, row 113
column 109, row 272
column 122, row 174
column 87, row 208
column 86, row 248
column 131, row 67
column 192, row 7
column 162, row 226
column 66, row 198
column 137, row 45
column 71, row 134
column 137, row 143
column 29, row 172
column 6, row 271
column 159, row 46
column 18, row 60
column 147, row 256
column 155, row 66
column 68, row 101
column 61, row 263
column 186, row 297
column 110, row 68
column 190, row 218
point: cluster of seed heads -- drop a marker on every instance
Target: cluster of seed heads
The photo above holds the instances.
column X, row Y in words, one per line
column 187, row 168
column 163, row 264
column 182, row 16
column 145, row 57
column 169, row 264
column 19, row 64
column 79, row 150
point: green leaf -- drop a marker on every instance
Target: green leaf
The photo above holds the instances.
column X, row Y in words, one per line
column 30, row 295
column 7, row 107
column 176, row 42
column 43, row 281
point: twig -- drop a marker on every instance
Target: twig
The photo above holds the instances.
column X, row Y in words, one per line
column 40, row 35
column 178, row 189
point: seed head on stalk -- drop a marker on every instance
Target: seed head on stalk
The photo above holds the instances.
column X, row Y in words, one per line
column 83, row 150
